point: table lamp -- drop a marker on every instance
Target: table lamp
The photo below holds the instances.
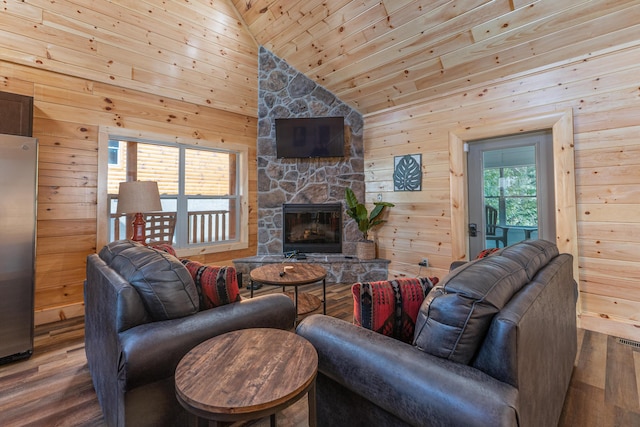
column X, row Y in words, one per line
column 136, row 197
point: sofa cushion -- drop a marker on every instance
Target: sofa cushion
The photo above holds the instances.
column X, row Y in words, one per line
column 390, row 307
column 531, row 254
column 164, row 284
column 109, row 252
column 216, row 285
column 456, row 315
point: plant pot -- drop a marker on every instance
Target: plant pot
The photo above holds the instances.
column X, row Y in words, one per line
column 366, row 250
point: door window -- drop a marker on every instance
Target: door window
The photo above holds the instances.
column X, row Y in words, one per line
column 510, row 190
column 510, row 185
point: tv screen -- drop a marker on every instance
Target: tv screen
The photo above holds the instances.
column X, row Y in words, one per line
column 310, row 137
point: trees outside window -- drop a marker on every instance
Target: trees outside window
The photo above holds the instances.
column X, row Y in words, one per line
column 513, row 192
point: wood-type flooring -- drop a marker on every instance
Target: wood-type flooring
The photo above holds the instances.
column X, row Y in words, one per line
column 53, row 387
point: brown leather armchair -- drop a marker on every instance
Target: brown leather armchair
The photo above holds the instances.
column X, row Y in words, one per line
column 466, row 366
column 142, row 317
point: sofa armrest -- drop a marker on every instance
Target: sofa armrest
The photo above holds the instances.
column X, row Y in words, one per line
column 414, row 386
column 153, row 350
column 111, row 305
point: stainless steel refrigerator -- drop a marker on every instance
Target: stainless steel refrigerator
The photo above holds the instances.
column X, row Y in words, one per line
column 18, row 189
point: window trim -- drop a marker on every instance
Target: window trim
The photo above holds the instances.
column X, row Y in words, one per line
column 105, row 133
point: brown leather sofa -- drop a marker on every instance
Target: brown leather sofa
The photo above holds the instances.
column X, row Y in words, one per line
column 141, row 318
column 494, row 345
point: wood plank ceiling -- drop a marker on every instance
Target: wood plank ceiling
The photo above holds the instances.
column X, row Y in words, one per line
column 197, row 51
column 376, row 54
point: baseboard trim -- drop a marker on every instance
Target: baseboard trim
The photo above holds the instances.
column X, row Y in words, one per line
column 56, row 314
column 610, row 326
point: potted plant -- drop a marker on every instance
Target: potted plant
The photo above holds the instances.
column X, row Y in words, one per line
column 366, row 221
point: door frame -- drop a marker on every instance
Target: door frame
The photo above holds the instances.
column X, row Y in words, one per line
column 561, row 125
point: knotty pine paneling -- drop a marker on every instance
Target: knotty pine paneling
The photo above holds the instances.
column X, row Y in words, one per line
column 198, row 52
column 604, row 101
column 67, row 113
column 377, row 55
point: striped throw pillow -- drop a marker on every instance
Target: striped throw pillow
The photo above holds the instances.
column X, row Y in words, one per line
column 390, row 307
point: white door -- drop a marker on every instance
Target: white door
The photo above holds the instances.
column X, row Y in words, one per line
column 511, row 190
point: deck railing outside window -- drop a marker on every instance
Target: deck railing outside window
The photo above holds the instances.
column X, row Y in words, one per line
column 210, row 226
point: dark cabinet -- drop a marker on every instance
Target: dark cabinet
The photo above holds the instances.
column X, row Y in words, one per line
column 16, row 114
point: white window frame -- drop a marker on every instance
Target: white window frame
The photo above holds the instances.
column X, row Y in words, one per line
column 102, row 221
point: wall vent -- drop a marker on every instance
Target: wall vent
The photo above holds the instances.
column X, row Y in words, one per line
column 634, row 344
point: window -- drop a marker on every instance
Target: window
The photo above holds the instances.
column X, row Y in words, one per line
column 114, row 152
column 200, row 186
column 513, row 192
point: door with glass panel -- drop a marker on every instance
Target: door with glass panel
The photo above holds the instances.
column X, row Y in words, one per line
column 511, row 190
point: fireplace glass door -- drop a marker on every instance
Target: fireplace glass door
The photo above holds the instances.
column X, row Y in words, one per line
column 312, row 228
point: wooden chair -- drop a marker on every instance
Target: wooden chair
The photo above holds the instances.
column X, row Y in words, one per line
column 160, row 227
column 494, row 231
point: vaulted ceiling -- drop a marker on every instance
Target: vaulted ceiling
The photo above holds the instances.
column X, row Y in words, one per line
column 376, row 54
column 373, row 54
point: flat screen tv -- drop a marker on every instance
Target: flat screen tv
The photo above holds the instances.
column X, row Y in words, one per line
column 310, row 137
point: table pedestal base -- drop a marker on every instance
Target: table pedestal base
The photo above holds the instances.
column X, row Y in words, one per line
column 306, row 302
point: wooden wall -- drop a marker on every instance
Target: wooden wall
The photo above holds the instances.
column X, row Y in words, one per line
column 183, row 70
column 602, row 92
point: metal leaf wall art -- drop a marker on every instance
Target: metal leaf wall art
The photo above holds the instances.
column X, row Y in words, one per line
column 407, row 174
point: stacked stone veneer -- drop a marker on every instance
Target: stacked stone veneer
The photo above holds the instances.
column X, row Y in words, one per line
column 340, row 269
column 284, row 92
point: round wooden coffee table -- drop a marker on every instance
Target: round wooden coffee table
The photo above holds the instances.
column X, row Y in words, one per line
column 291, row 274
column 247, row 374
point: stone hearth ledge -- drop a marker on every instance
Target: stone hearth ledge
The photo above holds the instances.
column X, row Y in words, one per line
column 340, row 268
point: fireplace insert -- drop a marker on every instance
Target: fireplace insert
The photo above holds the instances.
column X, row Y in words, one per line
column 310, row 228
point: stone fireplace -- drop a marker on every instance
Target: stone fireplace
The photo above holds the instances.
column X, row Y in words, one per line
column 284, row 92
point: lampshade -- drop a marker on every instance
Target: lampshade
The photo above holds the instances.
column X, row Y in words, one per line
column 138, row 196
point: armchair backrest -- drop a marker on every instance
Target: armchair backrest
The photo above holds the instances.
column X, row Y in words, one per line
column 111, row 295
column 532, row 342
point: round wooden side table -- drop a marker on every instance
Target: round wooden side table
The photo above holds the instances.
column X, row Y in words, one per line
column 247, row 374
column 291, row 274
